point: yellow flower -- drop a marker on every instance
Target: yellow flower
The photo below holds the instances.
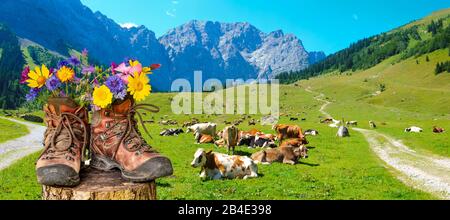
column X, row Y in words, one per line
column 147, row 70
column 139, row 86
column 133, row 62
column 38, row 77
column 65, row 74
column 102, row 96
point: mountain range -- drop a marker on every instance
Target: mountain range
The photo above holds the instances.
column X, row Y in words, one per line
column 220, row 50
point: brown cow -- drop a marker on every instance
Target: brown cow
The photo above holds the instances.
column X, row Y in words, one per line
column 231, row 137
column 206, row 139
column 289, row 131
column 289, row 153
column 438, row 130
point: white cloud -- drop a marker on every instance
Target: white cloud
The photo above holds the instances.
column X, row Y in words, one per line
column 175, row 2
column 171, row 13
column 129, row 25
column 355, row 17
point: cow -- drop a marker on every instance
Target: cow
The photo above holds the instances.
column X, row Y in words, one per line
column 289, row 131
column 231, row 138
column 372, row 124
column 203, row 128
column 311, row 132
column 206, row 139
column 220, row 143
column 414, row 129
column 438, row 130
column 217, row 166
column 289, row 153
column 262, row 141
column 252, row 122
column 171, row 132
column 351, row 123
column 266, row 136
column 326, row 121
column 293, row 119
column 343, row 132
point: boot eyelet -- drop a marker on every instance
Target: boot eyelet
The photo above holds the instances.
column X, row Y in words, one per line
column 107, row 113
column 107, row 125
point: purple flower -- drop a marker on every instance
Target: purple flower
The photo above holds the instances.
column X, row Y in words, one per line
column 117, row 86
column 88, row 69
column 63, row 63
column 121, row 95
column 85, row 52
column 53, row 83
column 74, row 60
column 24, row 76
column 32, row 95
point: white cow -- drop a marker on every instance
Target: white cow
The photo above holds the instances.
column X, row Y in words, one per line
column 414, row 129
column 217, row 166
column 203, row 128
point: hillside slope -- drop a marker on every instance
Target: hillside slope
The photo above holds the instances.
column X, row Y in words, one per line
column 412, row 40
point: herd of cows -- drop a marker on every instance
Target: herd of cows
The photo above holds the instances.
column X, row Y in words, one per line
column 291, row 138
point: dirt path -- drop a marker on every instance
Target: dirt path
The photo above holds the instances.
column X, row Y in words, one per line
column 16, row 149
column 422, row 171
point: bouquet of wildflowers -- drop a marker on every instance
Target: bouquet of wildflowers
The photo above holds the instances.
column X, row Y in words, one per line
column 89, row 85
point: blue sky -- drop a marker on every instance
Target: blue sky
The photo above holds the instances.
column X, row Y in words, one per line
column 326, row 25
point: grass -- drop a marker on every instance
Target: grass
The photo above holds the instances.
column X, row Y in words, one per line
column 336, row 169
column 13, row 130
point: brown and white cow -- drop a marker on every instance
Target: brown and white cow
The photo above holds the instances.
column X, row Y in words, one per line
column 289, row 131
column 217, row 166
column 438, row 130
column 230, row 137
column 289, row 153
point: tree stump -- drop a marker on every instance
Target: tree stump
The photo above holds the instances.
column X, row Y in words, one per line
column 99, row 185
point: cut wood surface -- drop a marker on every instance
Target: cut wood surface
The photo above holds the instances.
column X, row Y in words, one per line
column 99, row 185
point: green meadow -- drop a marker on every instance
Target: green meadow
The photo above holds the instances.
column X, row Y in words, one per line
column 336, row 169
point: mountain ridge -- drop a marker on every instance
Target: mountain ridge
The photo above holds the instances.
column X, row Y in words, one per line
column 231, row 50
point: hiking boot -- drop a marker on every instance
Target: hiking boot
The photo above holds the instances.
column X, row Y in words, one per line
column 117, row 143
column 65, row 141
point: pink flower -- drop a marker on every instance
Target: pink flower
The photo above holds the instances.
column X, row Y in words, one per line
column 136, row 69
column 24, row 76
column 123, row 68
column 113, row 67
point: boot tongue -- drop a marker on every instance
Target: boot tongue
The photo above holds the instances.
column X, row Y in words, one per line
column 123, row 107
column 62, row 104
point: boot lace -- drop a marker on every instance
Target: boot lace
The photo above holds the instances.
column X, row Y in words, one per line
column 65, row 132
column 132, row 137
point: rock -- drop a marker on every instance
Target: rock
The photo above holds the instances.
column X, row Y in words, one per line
column 343, row 132
column 269, row 120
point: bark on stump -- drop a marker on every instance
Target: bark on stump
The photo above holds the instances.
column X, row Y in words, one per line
column 99, row 185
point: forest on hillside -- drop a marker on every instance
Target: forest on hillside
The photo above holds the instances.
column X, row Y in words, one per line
column 12, row 94
column 371, row 51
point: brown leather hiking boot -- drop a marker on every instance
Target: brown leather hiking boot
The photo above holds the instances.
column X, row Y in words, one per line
column 117, row 143
column 65, row 141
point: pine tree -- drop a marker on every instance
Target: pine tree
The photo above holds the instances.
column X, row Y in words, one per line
column 427, row 59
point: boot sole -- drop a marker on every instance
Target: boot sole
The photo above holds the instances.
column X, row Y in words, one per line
column 162, row 164
column 58, row 175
